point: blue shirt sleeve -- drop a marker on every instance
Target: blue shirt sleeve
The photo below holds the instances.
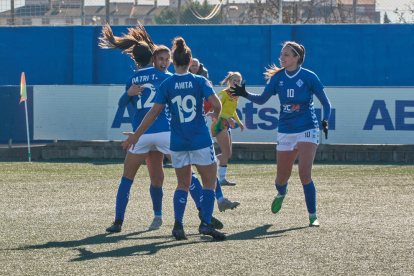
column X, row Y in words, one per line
column 270, row 87
column 325, row 104
column 259, row 99
column 125, row 98
column 206, row 88
column 161, row 96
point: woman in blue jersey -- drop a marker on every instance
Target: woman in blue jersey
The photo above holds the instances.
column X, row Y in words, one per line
column 298, row 132
column 191, row 143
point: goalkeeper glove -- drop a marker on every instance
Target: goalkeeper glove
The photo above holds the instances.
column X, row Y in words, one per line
column 325, row 127
column 239, row 90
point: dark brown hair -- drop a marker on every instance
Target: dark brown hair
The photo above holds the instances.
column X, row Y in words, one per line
column 181, row 52
column 296, row 49
column 137, row 43
column 229, row 76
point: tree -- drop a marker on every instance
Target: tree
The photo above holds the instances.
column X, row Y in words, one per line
column 188, row 15
column 406, row 16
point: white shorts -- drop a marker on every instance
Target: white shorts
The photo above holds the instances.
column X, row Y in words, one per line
column 289, row 141
column 153, row 142
column 203, row 157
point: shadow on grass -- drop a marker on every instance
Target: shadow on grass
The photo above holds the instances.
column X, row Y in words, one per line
column 260, row 232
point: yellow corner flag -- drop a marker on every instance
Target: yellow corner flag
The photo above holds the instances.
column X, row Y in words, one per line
column 23, row 92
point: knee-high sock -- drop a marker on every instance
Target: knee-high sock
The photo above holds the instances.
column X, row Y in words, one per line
column 219, row 193
column 207, row 205
column 222, row 172
column 310, row 197
column 122, row 197
column 180, row 201
column 156, row 196
column 281, row 189
column 195, row 190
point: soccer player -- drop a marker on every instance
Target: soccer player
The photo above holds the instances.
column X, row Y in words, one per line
column 298, row 132
column 229, row 105
column 190, row 138
column 153, row 62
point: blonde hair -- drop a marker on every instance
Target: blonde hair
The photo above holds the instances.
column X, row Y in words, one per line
column 229, row 77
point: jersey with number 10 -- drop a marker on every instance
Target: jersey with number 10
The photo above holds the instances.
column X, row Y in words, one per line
column 297, row 113
column 150, row 78
column 184, row 94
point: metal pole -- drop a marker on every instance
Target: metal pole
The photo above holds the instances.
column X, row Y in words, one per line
column 280, row 12
column 12, row 12
column 178, row 12
column 28, row 136
column 354, row 11
column 83, row 12
column 107, row 10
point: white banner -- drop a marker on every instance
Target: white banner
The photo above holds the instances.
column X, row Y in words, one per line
column 381, row 115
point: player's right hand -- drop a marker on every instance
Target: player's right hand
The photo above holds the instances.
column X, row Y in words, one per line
column 239, row 90
column 130, row 141
column 135, row 90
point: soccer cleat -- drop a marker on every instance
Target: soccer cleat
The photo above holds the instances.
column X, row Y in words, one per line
column 277, row 202
column 156, row 223
column 227, row 183
column 116, row 226
column 215, row 222
column 208, row 229
column 178, row 231
column 225, row 204
column 313, row 222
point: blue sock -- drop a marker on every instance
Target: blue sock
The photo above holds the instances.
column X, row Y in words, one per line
column 282, row 189
column 310, row 197
column 219, row 193
column 207, row 205
column 156, row 196
column 122, row 197
column 195, row 190
column 180, row 200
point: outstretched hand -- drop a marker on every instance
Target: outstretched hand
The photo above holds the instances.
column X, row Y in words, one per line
column 135, row 90
column 239, row 90
column 130, row 141
column 325, row 127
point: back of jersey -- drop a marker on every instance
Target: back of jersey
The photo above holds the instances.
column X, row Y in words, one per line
column 150, row 78
column 185, row 95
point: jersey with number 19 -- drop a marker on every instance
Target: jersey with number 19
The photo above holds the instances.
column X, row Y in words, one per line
column 150, row 78
column 297, row 113
column 184, row 94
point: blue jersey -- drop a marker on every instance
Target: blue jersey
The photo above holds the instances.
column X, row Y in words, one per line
column 151, row 79
column 297, row 113
column 184, row 94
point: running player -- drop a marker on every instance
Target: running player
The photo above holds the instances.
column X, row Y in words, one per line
column 298, row 132
column 190, row 139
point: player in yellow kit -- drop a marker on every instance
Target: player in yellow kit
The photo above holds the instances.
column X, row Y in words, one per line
column 226, row 122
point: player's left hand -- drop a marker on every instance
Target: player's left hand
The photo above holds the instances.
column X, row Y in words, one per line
column 231, row 122
column 239, row 90
column 130, row 141
column 325, row 127
column 241, row 127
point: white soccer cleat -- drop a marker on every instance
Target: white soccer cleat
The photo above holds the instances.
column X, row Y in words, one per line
column 156, row 223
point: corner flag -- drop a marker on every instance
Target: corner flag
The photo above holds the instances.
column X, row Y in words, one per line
column 23, row 92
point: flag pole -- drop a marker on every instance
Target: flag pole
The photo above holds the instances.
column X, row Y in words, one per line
column 27, row 128
column 23, row 94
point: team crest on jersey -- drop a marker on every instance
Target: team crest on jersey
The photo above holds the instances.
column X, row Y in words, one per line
column 208, row 84
column 299, row 82
column 280, row 83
